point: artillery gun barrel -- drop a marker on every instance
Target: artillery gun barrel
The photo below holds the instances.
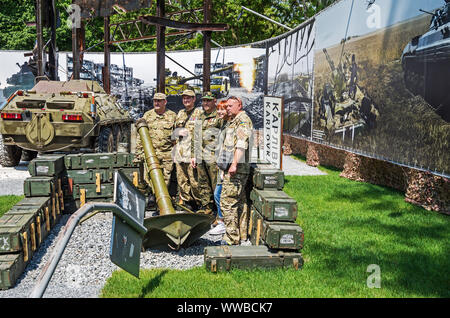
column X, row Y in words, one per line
column 163, row 199
column 424, row 11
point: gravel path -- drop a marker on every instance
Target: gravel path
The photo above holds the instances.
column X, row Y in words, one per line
column 85, row 265
column 294, row 167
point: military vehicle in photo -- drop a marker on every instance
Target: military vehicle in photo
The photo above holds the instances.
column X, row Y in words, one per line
column 57, row 116
column 220, row 86
column 426, row 62
column 23, row 79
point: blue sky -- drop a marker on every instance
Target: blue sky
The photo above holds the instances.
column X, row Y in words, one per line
column 332, row 24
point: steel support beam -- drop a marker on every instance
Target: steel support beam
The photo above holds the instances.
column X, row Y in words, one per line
column 52, row 58
column 160, row 49
column 39, row 39
column 207, row 9
column 206, row 26
column 107, row 57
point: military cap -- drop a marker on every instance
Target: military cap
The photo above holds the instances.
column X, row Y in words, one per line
column 188, row 92
column 159, row 96
column 208, row 95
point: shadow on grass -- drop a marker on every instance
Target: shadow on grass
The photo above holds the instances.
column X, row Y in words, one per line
column 403, row 273
column 153, row 284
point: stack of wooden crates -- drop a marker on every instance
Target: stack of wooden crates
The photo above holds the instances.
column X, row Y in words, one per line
column 276, row 238
column 58, row 184
column 273, row 213
column 25, row 226
column 90, row 177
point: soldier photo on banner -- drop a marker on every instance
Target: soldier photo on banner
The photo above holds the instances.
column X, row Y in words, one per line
column 378, row 90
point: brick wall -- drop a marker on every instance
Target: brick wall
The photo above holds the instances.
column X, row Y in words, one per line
column 421, row 188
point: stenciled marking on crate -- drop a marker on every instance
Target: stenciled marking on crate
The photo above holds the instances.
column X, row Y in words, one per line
column 287, row 239
column 281, row 211
column 42, row 169
column 5, row 245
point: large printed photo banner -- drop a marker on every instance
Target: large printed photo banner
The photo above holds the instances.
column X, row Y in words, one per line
column 381, row 87
column 236, row 71
column 290, row 75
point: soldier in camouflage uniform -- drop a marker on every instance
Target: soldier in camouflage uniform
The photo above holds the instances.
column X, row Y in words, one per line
column 161, row 123
column 205, row 139
column 193, row 182
column 233, row 197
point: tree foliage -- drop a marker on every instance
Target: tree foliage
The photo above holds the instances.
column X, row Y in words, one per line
column 245, row 27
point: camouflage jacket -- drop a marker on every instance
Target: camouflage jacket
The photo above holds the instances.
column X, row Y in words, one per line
column 184, row 119
column 238, row 134
column 206, row 136
column 160, row 128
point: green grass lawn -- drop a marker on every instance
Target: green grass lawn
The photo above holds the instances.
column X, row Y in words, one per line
column 348, row 226
column 7, row 202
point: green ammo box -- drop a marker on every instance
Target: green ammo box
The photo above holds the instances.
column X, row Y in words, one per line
column 106, row 190
column 103, row 175
column 41, row 208
column 46, row 165
column 267, row 178
column 99, row 161
column 38, row 186
column 225, row 258
column 274, row 205
column 11, row 267
column 275, row 234
column 18, row 233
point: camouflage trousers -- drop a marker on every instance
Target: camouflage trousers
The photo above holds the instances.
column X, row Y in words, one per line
column 194, row 184
column 211, row 170
column 234, row 207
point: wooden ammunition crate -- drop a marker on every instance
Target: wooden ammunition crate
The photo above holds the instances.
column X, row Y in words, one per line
column 43, row 218
column 11, row 267
column 275, row 234
column 267, row 178
column 99, row 161
column 101, row 175
column 274, row 205
column 47, row 165
column 225, row 258
column 18, row 233
column 93, row 191
column 39, row 186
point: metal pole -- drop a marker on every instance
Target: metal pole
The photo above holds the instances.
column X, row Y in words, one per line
column 207, row 8
column 52, row 59
column 107, row 57
column 40, row 70
column 264, row 17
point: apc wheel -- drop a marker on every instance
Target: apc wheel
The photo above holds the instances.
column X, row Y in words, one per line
column 9, row 155
column 123, row 138
column 106, row 141
column 28, row 155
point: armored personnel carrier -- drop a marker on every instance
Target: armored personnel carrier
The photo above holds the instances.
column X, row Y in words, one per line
column 426, row 62
column 59, row 116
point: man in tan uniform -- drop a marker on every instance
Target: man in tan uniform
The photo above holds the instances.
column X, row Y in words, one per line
column 161, row 123
column 192, row 182
column 206, row 136
column 233, row 196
